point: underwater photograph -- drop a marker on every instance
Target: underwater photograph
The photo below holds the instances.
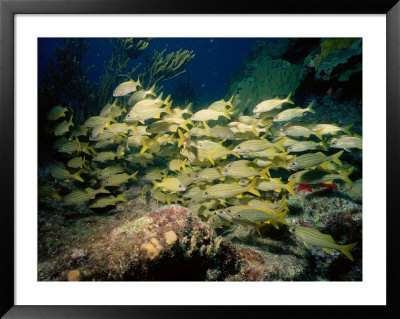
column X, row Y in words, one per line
column 199, row 159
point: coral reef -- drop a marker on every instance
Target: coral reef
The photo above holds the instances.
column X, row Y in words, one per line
column 162, row 68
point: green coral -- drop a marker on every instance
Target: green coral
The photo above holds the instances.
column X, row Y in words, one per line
column 334, row 52
column 270, row 78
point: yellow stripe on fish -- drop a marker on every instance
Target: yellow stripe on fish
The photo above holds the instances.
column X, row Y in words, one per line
column 311, row 236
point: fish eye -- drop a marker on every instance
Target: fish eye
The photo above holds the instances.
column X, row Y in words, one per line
column 238, row 215
column 238, row 148
column 229, row 211
column 206, row 193
column 180, row 186
column 290, row 148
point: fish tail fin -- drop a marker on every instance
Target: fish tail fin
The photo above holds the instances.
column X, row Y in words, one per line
column 103, row 190
column 226, row 113
column 156, row 185
column 206, row 127
column 188, row 107
column 138, row 83
column 166, row 101
column 152, row 90
column 251, row 189
column 281, row 218
column 77, row 175
column 167, row 108
column 184, row 164
column 347, row 128
column 56, row 194
column 122, row 197
column 288, row 98
column 346, row 174
column 345, row 249
column 144, row 148
column 133, row 127
column 335, row 158
column 91, row 149
column 70, row 120
column 318, row 134
column 323, row 145
column 265, row 172
column 185, row 123
column 235, row 154
column 182, row 138
column 229, row 103
column 274, row 223
column 210, row 157
column 279, row 145
column 133, row 176
column 309, row 107
column 289, row 186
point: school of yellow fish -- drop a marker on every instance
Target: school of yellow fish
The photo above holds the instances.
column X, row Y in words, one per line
column 225, row 173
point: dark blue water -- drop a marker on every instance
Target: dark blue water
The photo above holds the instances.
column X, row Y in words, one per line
column 215, row 61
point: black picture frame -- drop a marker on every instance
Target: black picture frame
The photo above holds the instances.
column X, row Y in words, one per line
column 8, row 10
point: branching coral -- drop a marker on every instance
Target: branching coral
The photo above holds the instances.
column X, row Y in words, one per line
column 134, row 47
column 162, row 68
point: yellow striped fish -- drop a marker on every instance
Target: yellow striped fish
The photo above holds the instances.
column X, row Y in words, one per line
column 346, row 142
column 269, row 105
column 297, row 130
column 109, row 171
column 245, row 171
column 311, row 236
column 62, row 174
column 108, row 201
column 209, row 174
column 245, row 213
column 79, row 197
column 104, row 156
column 118, row 179
column 230, row 190
column 63, row 127
column 313, row 159
column 289, row 114
column 257, row 145
column 76, row 162
column 275, row 184
column 272, row 208
column 126, row 88
column 171, row 184
column 56, row 112
column 70, row 147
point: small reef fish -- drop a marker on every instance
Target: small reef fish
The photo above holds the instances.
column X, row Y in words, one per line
column 257, row 145
column 230, row 190
column 297, row 130
column 63, row 127
column 46, row 192
column 79, row 131
column 219, row 131
column 104, row 156
column 96, row 120
column 306, row 146
column 217, row 221
column 269, row 105
column 60, row 173
column 245, row 213
column 126, row 88
column 313, row 159
column 207, row 114
column 316, row 176
column 154, row 174
column 244, row 171
column 79, row 197
column 221, row 104
column 140, row 95
column 108, row 201
column 56, row 112
column 311, row 236
column 269, row 207
column 325, row 129
column 70, row 147
column 76, row 162
column 109, row 171
column 176, row 165
column 221, row 152
column 289, row 114
column 275, row 184
column 346, row 142
column 151, row 109
column 171, row 184
column 118, row 179
column 209, row 175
